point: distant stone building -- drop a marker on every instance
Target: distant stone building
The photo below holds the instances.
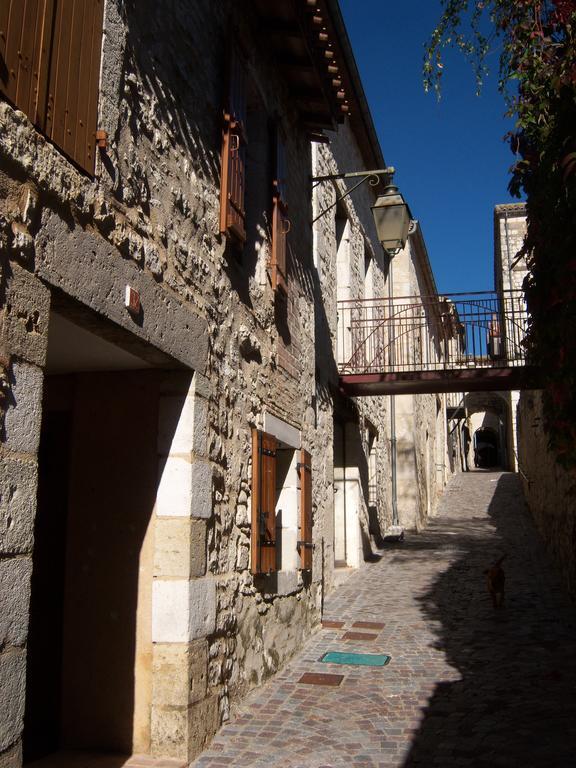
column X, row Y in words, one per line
column 509, row 272
column 549, row 489
column 420, row 421
column 482, row 425
column 175, row 446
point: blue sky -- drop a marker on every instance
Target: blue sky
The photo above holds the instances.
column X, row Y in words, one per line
column 450, row 158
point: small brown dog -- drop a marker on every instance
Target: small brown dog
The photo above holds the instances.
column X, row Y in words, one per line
column 495, row 580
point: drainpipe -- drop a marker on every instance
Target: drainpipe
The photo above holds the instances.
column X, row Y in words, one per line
column 393, row 457
column 345, row 491
column 507, row 348
column 393, row 461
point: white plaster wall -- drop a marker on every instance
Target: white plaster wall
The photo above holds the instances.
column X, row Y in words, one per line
column 289, row 504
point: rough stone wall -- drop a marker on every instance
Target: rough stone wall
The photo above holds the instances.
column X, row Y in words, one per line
column 24, row 307
column 510, row 271
column 550, row 490
column 23, row 338
column 150, row 218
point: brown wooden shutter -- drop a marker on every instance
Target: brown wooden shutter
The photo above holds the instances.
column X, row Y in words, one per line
column 24, row 25
column 232, row 185
column 280, row 221
column 50, row 69
column 305, row 544
column 72, row 104
column 263, row 539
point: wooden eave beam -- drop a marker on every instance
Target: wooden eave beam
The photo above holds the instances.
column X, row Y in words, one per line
column 307, row 50
column 281, row 27
column 317, row 121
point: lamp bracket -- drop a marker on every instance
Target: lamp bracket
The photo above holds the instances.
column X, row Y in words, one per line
column 372, row 177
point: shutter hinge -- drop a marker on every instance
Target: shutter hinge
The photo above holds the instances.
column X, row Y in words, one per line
column 101, row 139
column 301, row 465
column 305, row 544
column 268, row 452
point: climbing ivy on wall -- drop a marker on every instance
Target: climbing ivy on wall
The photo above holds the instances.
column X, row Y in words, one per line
column 537, row 76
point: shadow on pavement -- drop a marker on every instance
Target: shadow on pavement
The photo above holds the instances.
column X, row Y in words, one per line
column 515, row 704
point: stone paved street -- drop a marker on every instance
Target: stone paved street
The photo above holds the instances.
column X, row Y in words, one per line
column 466, row 686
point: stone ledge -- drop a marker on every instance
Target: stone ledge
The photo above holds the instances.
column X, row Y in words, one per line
column 90, row 269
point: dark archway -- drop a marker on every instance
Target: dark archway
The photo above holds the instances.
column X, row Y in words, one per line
column 486, row 448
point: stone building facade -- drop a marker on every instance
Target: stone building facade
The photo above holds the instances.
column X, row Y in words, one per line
column 175, row 447
column 420, row 421
column 509, row 272
column 548, row 488
column 349, row 263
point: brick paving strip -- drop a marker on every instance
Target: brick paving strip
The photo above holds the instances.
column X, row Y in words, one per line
column 359, row 636
column 467, row 686
column 368, row 625
column 145, row 761
column 320, row 678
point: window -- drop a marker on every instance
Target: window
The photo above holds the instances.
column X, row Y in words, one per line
column 368, row 272
column 245, row 198
column 281, row 537
column 280, row 221
column 346, row 344
column 305, row 544
column 50, row 69
column 234, row 140
column 371, row 439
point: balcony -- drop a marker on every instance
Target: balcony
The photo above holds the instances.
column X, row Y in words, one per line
column 452, row 343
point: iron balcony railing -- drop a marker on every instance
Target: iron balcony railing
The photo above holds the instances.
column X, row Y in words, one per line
column 419, row 333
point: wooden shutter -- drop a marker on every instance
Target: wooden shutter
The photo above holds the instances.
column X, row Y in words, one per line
column 305, row 544
column 263, row 539
column 25, row 26
column 50, row 69
column 280, row 221
column 233, row 181
column 72, row 105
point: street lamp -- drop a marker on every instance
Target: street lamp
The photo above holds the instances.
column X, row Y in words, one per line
column 391, row 212
column 392, row 218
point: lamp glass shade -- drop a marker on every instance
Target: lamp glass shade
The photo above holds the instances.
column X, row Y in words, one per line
column 392, row 219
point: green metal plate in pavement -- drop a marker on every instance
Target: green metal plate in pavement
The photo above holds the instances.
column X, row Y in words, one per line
column 360, row 659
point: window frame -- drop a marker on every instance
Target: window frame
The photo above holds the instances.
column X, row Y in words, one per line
column 266, row 541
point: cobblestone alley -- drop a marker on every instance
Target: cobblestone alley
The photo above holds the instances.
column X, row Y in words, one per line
column 466, row 685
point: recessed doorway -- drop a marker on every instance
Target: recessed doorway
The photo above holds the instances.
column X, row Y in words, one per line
column 89, row 649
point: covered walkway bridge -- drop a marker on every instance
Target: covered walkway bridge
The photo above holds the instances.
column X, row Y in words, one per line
column 450, row 343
